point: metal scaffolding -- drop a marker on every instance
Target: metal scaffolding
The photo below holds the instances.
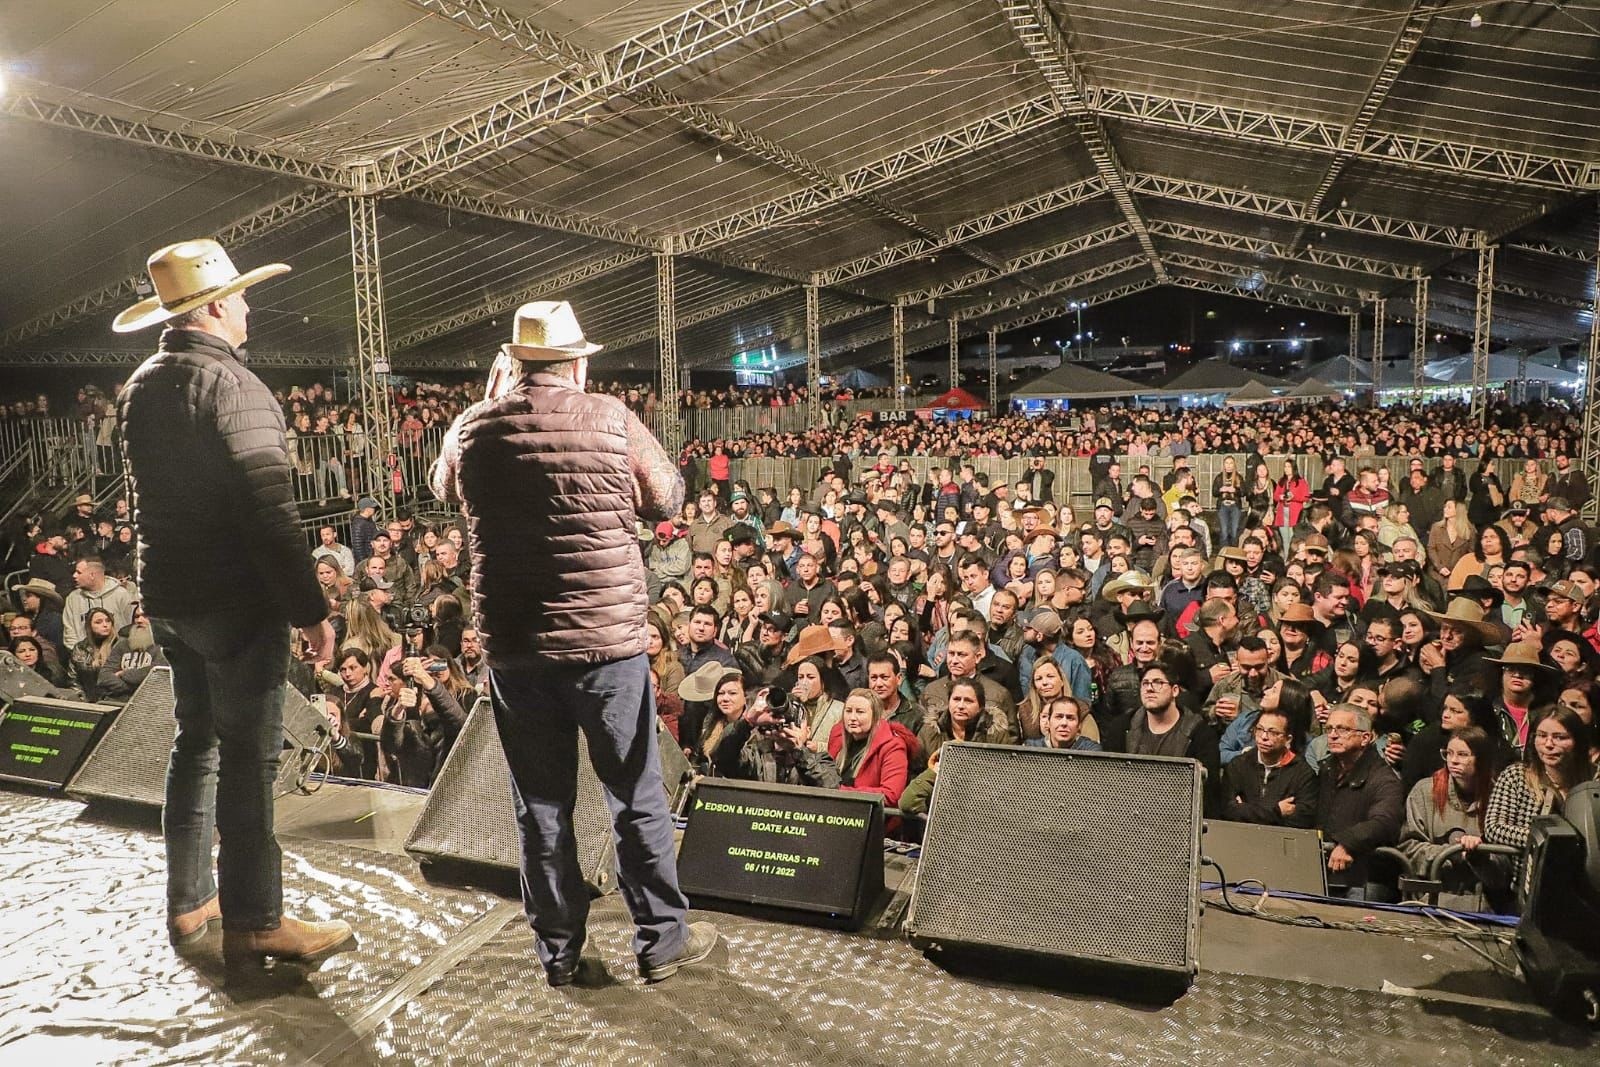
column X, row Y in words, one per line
column 1355, row 337
column 1419, row 335
column 897, row 327
column 1590, row 451
column 372, row 346
column 1377, row 346
column 955, row 351
column 669, row 416
column 994, row 379
column 813, row 355
column 1482, row 317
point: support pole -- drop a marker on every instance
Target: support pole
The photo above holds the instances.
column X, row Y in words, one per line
column 1419, row 336
column 1482, row 317
column 1378, row 308
column 669, row 413
column 1590, row 452
column 813, row 353
column 372, row 344
column 898, row 333
column 955, row 352
column 1355, row 339
column 994, row 380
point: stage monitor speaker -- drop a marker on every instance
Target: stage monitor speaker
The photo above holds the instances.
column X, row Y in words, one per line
column 470, row 817
column 1057, row 856
column 42, row 740
column 129, row 763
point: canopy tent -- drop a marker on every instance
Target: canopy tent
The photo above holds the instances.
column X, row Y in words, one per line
column 1253, row 393
column 1074, row 381
column 1312, row 389
column 1218, row 376
column 958, row 399
column 1502, row 368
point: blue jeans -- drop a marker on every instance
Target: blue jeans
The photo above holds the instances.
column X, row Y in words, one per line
column 539, row 711
column 1229, row 517
column 228, row 680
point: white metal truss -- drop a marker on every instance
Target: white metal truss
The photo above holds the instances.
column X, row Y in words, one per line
column 1546, row 248
column 1256, row 246
column 1224, row 280
column 1399, row 150
column 372, row 351
column 704, row 314
column 1060, row 286
column 670, row 416
column 1355, row 338
column 1027, row 210
column 813, row 355
column 1412, row 30
column 1419, row 333
column 1057, row 309
column 1039, row 257
column 543, row 289
column 952, row 144
column 1277, row 207
column 994, row 382
column 897, row 334
column 955, row 351
column 558, row 221
column 1035, row 26
column 1482, row 313
column 254, row 225
column 1524, row 291
column 1259, row 285
column 681, row 41
column 26, row 105
column 1377, row 346
column 1590, row 450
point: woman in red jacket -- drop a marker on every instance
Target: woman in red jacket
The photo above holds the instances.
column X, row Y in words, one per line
column 873, row 756
column 1289, row 497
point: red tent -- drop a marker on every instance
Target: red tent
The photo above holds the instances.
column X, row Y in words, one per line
column 958, row 399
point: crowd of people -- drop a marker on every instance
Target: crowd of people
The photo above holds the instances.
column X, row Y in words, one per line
column 1412, row 665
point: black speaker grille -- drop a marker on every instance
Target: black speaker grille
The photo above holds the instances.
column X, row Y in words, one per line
column 129, row 764
column 470, row 815
column 1088, row 856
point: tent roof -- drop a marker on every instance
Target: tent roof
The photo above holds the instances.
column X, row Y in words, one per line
column 1312, row 388
column 1074, row 381
column 1502, row 368
column 1252, row 392
column 958, row 158
column 959, row 399
column 1219, row 376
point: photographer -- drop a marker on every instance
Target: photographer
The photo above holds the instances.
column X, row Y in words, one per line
column 422, row 717
column 769, row 743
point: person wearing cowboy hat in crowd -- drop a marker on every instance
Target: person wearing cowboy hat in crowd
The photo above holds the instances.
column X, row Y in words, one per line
column 1457, row 656
column 1300, row 633
column 1526, row 682
column 81, row 517
column 223, row 575
column 1110, row 608
column 553, row 481
column 40, row 601
column 783, row 547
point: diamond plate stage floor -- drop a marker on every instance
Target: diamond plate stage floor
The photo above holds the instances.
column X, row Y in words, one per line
column 446, row 976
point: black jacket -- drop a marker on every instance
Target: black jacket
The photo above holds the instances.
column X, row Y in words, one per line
column 211, row 488
column 1251, row 792
column 1362, row 811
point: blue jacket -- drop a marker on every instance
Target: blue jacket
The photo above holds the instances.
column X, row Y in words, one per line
column 1073, row 665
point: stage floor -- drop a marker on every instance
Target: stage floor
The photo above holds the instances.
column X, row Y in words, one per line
column 446, row 976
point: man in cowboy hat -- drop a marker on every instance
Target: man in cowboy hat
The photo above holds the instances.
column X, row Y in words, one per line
column 1457, row 655
column 40, row 601
column 1522, row 672
column 223, row 575
column 553, row 481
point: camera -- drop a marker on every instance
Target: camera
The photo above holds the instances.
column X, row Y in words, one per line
column 413, row 618
column 784, row 709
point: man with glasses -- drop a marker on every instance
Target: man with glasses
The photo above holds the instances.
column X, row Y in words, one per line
column 1161, row 728
column 1360, row 801
column 944, row 545
column 1268, row 783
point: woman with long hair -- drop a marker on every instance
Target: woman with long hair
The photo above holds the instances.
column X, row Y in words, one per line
column 1447, row 808
column 933, row 606
column 1558, row 759
column 1290, row 494
column 965, row 717
column 1088, row 643
column 818, row 687
column 366, row 629
column 1227, row 493
column 335, row 583
column 741, row 626
column 871, row 754
column 93, row 652
column 1396, row 525
column 29, row 651
column 1258, row 495
column 1285, row 592
column 662, row 651
column 1449, row 539
column 1489, row 549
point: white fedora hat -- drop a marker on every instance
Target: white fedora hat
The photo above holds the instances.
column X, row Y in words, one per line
column 187, row 275
column 547, row 331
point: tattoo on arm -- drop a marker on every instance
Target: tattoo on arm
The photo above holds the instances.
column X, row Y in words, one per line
column 660, row 487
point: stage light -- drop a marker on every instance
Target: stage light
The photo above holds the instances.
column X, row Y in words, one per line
column 1476, row 20
column 719, row 155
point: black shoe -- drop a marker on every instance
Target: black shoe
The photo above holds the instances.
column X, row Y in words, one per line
column 588, row 973
column 702, row 939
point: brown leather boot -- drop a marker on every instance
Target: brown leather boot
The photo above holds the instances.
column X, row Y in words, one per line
column 294, row 939
column 191, row 927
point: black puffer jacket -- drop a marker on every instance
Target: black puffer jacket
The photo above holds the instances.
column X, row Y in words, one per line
column 210, row 485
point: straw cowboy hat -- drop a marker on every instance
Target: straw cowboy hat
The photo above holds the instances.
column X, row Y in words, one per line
column 1523, row 654
column 547, row 331
column 813, row 641
column 39, row 588
column 188, row 275
column 1302, row 616
column 1468, row 614
column 1127, row 582
column 703, row 684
